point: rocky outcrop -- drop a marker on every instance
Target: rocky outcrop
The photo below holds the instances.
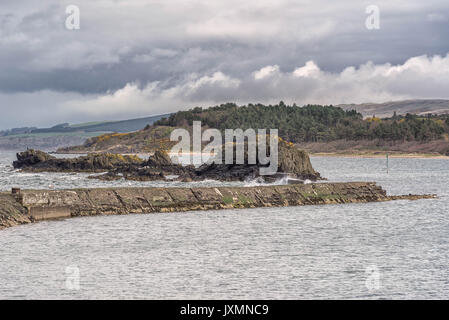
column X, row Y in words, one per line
column 291, row 160
column 296, row 162
column 35, row 205
column 159, row 159
column 31, row 158
column 157, row 167
column 38, row 161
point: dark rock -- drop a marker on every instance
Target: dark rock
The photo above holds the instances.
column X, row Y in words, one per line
column 227, row 172
column 291, row 161
column 38, row 161
column 296, row 162
column 31, row 158
column 159, row 159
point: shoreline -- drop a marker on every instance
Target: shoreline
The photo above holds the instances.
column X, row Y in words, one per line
column 360, row 154
column 379, row 155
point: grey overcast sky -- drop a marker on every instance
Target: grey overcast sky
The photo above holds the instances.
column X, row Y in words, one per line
column 132, row 58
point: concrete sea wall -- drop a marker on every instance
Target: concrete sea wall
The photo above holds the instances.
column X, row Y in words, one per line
column 28, row 206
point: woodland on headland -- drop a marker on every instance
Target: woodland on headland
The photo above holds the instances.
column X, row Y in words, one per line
column 314, row 123
column 315, row 126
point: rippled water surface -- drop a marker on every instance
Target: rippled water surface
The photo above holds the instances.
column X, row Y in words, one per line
column 393, row 250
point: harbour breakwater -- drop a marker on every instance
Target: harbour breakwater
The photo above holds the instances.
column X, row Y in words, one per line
column 27, row 206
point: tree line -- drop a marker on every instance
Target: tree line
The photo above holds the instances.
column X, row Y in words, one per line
column 313, row 123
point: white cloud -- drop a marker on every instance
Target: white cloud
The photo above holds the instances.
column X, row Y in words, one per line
column 418, row 77
column 309, row 70
column 218, row 79
column 266, row 72
column 151, row 99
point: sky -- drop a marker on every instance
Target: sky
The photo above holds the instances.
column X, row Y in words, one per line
column 136, row 58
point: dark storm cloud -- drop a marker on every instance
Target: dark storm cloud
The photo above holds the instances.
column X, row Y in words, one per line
column 172, row 54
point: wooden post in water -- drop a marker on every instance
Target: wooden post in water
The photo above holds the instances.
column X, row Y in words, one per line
column 388, row 169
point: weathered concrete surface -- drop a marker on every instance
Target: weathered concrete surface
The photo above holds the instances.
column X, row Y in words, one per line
column 12, row 213
column 35, row 205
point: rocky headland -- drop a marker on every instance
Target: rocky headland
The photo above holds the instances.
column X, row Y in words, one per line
column 39, row 161
column 291, row 160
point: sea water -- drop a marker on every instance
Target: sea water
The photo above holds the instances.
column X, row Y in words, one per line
column 385, row 250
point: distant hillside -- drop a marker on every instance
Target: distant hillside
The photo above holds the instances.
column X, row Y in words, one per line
column 44, row 141
column 387, row 109
column 301, row 125
column 65, row 135
column 105, row 126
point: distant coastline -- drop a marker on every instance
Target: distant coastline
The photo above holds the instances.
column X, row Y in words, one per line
column 357, row 154
column 368, row 154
